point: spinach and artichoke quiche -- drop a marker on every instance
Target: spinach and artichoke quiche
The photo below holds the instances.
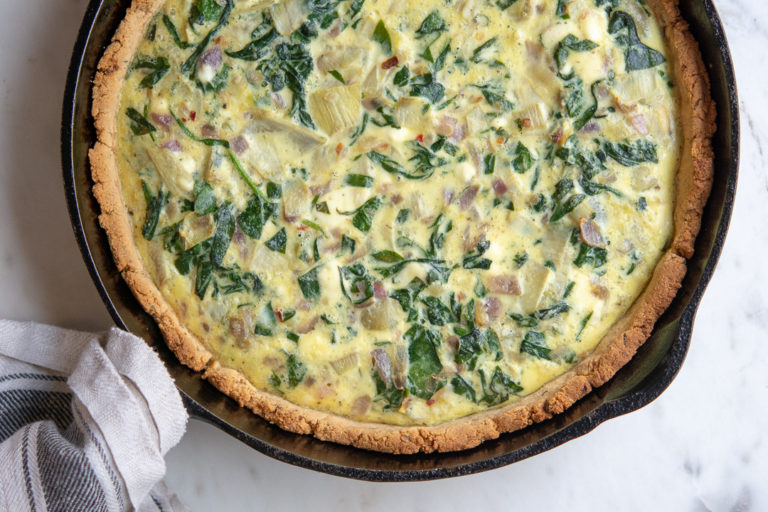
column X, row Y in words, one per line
column 405, row 226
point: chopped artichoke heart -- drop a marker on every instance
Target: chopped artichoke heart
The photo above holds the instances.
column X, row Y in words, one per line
column 194, row 229
column 536, row 116
column 409, row 112
column 275, row 145
column 175, row 169
column 336, row 108
column 288, row 15
column 340, row 58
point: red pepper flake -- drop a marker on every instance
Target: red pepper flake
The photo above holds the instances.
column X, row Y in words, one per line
column 557, row 136
column 526, row 123
column 339, row 147
column 390, row 63
column 500, row 140
column 217, row 40
column 420, row 138
column 183, row 119
column 431, row 402
column 302, row 228
column 193, row 115
column 279, row 314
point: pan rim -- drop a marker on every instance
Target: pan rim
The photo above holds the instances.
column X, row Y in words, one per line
column 605, row 411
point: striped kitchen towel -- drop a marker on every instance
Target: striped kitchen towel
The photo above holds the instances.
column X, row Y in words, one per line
column 85, row 420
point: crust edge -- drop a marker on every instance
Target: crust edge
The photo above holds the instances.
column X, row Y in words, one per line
column 694, row 180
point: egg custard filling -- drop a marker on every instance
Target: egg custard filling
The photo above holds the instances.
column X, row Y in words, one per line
column 399, row 212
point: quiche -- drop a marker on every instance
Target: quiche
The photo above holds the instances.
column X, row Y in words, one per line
column 404, row 227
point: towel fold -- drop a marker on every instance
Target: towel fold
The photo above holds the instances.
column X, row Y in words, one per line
column 85, row 421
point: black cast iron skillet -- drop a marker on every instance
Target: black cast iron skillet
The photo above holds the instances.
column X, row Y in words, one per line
column 641, row 381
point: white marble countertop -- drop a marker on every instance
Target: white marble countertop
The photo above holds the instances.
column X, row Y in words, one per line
column 702, row 446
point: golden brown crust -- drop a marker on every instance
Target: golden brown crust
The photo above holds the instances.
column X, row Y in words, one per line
column 114, row 218
column 694, row 179
column 698, row 110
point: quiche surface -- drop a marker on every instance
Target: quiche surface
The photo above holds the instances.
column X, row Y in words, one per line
column 403, row 226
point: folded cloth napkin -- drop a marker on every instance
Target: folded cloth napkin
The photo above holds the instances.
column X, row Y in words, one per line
column 85, row 420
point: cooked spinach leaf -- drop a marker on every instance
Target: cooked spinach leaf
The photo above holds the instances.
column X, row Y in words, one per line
column 477, row 54
column 406, row 297
column 266, row 320
column 587, row 255
column 522, row 158
column 630, row 154
column 387, row 118
column 362, row 218
column 388, row 393
column 583, row 324
column 204, row 11
column 426, row 87
column 189, row 68
column 574, row 96
column 387, row 256
column 356, row 283
column 296, row 370
column 589, row 113
column 424, row 158
column 552, row 311
column 476, row 343
column 432, row 24
column 256, row 214
column 437, row 312
column 360, row 129
column 256, row 49
column 495, row 97
column 234, row 280
column 504, row 4
column 534, row 344
column 423, row 361
column 208, row 142
column 158, row 66
column 335, row 74
column 565, row 47
column 498, row 389
column 474, row 260
column 564, row 208
column 310, row 287
column 140, row 125
column 393, row 167
column 347, row 244
column 438, row 271
column 402, row 77
column 381, row 36
column 289, row 65
column 637, row 56
column 524, row 320
column 155, row 205
column 358, row 180
column 274, row 191
column 205, row 198
column 277, row 242
column 439, row 62
column 174, row 33
column 463, row 388
column 225, row 227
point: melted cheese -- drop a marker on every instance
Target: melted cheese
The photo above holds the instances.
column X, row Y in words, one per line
column 466, row 288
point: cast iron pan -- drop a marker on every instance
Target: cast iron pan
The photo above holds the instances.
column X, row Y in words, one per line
column 641, row 381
